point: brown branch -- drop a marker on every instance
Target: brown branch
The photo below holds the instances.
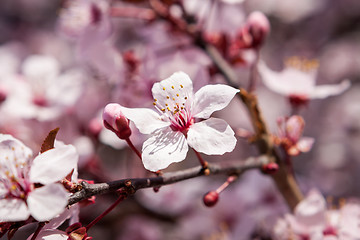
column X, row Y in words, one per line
column 283, row 179
column 134, row 184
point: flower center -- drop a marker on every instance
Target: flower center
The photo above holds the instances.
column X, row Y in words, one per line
column 176, row 108
column 302, row 64
column 13, row 177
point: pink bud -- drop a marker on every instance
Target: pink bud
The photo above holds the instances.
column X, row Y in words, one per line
column 259, row 27
column 211, row 198
column 115, row 121
column 270, row 168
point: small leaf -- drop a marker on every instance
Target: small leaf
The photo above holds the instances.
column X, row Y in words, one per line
column 49, row 140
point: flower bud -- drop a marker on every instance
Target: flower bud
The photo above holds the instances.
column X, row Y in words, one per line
column 270, row 168
column 258, row 27
column 211, row 198
column 115, row 121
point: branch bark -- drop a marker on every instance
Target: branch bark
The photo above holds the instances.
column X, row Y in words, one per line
column 134, row 184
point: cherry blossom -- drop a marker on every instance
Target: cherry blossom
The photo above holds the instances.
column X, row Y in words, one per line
column 177, row 124
column 29, row 186
column 312, row 220
column 39, row 92
column 290, row 135
column 297, row 81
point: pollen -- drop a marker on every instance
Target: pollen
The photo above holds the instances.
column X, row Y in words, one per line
column 167, row 97
column 172, row 87
column 302, row 64
column 181, row 86
column 154, row 103
column 13, row 187
column 186, row 98
column 177, row 94
column 163, row 88
column 173, row 98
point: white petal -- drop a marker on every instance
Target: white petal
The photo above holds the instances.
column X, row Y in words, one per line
column 60, row 219
column 324, row 91
column 212, row 136
column 52, row 234
column 47, row 202
column 289, row 81
column 12, row 210
column 211, row 98
column 305, row 144
column 163, row 148
column 53, row 165
column 146, row 120
column 177, row 86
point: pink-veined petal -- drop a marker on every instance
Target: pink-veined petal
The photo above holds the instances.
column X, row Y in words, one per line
column 163, row 148
column 173, row 89
column 212, row 136
column 305, row 144
column 324, row 91
column 12, row 210
column 54, row 164
column 146, row 120
column 47, row 202
column 50, row 234
column 211, row 98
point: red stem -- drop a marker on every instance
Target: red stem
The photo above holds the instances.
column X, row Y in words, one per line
column 131, row 145
column 203, row 163
column 122, row 197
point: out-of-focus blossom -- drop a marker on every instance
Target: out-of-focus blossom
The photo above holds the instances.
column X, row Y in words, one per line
column 175, row 127
column 79, row 16
column 28, row 187
column 41, row 92
column 297, row 81
column 312, row 220
column 290, row 135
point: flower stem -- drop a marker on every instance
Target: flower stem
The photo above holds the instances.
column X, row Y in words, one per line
column 131, row 145
column 203, row 163
column 229, row 180
column 121, row 198
column 38, row 229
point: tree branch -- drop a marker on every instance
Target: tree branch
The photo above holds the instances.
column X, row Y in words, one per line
column 134, row 184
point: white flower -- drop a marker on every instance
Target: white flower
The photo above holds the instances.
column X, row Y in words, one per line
column 29, row 187
column 176, row 127
column 299, row 84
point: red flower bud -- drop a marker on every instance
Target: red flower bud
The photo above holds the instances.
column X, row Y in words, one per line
column 270, row 168
column 115, row 121
column 211, row 198
column 258, row 27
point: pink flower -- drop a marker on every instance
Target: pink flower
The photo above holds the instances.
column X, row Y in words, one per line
column 312, row 220
column 29, row 187
column 297, row 84
column 176, row 125
column 290, row 135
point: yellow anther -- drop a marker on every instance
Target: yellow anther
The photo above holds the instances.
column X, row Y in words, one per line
column 13, row 187
column 22, row 195
column 155, row 99
column 181, row 86
column 185, row 98
column 154, row 103
column 168, row 109
column 177, row 94
column 173, row 98
column 172, row 87
column 167, row 97
column 182, row 108
column 163, row 109
column 163, row 88
column 12, row 148
column 166, row 104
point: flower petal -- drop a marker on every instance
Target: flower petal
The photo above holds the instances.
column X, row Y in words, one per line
column 54, row 164
column 146, row 120
column 47, row 202
column 163, row 148
column 175, row 88
column 289, row 81
column 12, row 210
column 211, row 98
column 50, row 234
column 324, row 91
column 212, row 136
column 305, row 144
